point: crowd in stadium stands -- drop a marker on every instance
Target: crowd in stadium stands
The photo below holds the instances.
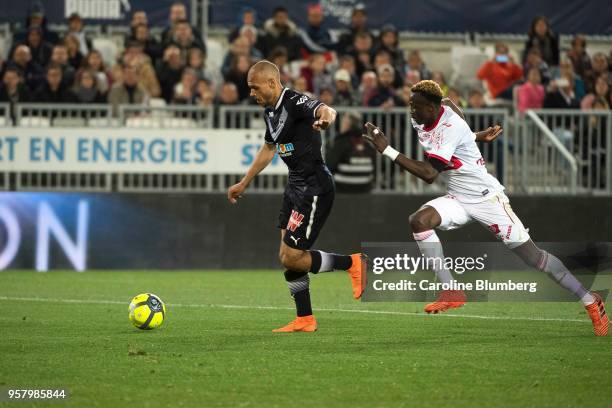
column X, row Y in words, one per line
column 358, row 68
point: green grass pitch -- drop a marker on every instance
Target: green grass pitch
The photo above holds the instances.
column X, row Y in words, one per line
column 70, row 330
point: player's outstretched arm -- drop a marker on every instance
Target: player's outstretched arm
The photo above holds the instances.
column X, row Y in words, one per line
column 489, row 134
column 423, row 170
column 325, row 117
column 262, row 159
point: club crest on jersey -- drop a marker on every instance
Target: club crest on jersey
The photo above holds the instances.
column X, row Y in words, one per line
column 302, row 99
column 284, row 150
column 295, row 221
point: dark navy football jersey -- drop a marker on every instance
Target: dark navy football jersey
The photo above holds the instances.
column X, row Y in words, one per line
column 289, row 127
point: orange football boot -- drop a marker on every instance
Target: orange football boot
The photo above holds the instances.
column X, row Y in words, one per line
column 300, row 324
column 447, row 299
column 597, row 313
column 357, row 272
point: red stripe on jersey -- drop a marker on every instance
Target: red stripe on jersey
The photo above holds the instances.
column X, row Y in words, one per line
column 435, row 156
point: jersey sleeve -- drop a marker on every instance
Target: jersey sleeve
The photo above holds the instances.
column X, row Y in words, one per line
column 268, row 137
column 304, row 107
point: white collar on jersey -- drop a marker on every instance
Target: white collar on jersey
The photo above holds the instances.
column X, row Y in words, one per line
column 280, row 99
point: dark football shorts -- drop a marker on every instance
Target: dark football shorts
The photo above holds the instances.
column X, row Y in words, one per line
column 303, row 216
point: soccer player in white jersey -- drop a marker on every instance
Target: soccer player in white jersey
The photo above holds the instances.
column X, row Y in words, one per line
column 473, row 195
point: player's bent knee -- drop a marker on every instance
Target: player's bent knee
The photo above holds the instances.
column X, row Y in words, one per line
column 419, row 222
column 290, row 257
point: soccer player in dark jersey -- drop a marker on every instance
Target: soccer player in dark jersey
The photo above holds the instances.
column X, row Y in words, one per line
column 293, row 122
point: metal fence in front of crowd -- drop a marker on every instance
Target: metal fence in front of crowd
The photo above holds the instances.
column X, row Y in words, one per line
column 542, row 152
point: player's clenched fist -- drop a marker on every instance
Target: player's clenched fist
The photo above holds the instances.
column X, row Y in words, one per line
column 235, row 192
column 376, row 137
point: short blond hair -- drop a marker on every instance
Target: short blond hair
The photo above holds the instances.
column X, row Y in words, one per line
column 428, row 87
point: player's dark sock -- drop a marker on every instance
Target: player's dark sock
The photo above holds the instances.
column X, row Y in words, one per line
column 299, row 283
column 326, row 262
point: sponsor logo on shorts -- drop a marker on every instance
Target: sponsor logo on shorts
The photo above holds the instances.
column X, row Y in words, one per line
column 295, row 221
column 284, row 150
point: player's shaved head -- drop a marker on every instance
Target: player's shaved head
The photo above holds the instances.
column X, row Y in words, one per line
column 266, row 70
column 265, row 83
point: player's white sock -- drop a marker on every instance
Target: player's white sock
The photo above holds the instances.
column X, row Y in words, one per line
column 430, row 247
column 555, row 268
column 326, row 262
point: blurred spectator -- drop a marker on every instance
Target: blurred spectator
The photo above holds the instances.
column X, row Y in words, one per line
column 54, row 89
column 579, row 57
column 389, row 41
column 358, row 25
column 411, row 78
column 228, row 94
column 128, row 91
column 170, row 71
column 345, row 96
column 300, row 85
column 205, row 93
column 542, row 37
column 31, row 73
column 316, row 38
column 40, row 49
column 599, row 66
column 349, row 158
column 383, row 57
column 36, row 19
column 75, row 57
column 12, row 89
column 534, row 60
column 184, row 38
column 279, row 57
column 562, row 96
column 75, row 28
column 347, row 62
column 178, row 13
column 476, row 99
column 316, row 74
column 406, row 94
column 59, row 56
column 240, row 46
column 500, row 73
column 566, row 68
column 94, row 62
column 86, row 90
column 252, row 34
column 195, row 61
column 367, row 87
column 150, row 45
column 438, row 77
column 602, row 91
column 385, row 95
column 530, row 95
column 238, row 75
column 327, row 96
column 361, row 50
column 281, row 31
column 455, row 96
column 246, row 17
column 415, row 63
column 136, row 58
column 139, row 17
column 185, row 90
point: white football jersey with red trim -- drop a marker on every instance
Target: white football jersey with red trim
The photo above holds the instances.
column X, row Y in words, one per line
column 451, row 140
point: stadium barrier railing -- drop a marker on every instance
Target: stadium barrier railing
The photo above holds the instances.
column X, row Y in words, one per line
column 567, row 149
column 525, row 158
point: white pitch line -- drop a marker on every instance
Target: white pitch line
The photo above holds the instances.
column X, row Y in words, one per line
column 221, row 306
